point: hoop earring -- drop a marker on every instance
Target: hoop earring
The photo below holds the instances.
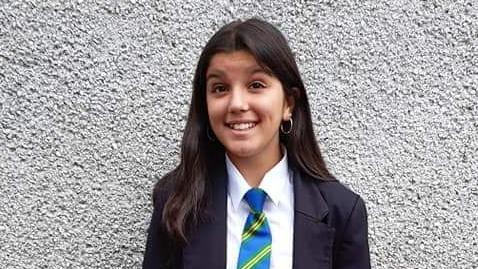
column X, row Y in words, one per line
column 291, row 124
column 210, row 136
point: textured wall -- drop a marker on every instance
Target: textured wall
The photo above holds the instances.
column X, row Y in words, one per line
column 94, row 98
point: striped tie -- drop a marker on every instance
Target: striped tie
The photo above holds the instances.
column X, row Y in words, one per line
column 255, row 252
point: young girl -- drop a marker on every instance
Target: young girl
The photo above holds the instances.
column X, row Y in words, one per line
column 252, row 189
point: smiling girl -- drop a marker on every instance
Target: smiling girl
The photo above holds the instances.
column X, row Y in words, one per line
column 252, row 189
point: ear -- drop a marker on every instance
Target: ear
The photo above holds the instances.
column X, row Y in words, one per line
column 289, row 104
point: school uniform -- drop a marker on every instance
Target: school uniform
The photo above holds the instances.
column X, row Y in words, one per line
column 329, row 224
column 278, row 208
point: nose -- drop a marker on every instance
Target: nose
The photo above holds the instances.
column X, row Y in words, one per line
column 238, row 101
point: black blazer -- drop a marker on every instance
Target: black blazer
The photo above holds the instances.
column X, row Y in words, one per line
column 330, row 229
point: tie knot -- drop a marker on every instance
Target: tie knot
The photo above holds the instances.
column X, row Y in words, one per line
column 255, row 198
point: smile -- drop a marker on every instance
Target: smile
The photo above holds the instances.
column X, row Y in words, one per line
column 242, row 126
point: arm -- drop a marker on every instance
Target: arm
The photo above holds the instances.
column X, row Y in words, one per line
column 353, row 251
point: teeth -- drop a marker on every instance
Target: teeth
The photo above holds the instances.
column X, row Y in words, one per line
column 242, row 126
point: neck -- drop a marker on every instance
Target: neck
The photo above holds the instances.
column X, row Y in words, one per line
column 254, row 168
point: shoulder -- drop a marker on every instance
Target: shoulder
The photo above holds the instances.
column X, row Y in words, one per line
column 344, row 205
column 337, row 195
column 339, row 202
column 328, row 197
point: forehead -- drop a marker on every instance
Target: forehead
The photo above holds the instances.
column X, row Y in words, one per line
column 232, row 62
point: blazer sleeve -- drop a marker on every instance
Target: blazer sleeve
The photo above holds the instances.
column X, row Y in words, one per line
column 158, row 253
column 353, row 251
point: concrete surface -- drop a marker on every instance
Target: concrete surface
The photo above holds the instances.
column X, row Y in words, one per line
column 94, row 95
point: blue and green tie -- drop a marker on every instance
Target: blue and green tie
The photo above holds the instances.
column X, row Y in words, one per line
column 255, row 252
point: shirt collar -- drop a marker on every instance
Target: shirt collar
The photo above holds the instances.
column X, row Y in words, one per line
column 273, row 182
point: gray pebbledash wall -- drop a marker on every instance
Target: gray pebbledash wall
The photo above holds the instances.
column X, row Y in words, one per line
column 94, row 96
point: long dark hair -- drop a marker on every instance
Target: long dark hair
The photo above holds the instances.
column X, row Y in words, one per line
column 189, row 179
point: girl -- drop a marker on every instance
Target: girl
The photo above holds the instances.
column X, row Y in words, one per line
column 252, row 189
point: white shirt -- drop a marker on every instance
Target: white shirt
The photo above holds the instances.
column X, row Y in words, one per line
column 278, row 208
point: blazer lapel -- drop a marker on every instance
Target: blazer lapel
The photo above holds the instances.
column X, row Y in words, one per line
column 313, row 238
column 207, row 244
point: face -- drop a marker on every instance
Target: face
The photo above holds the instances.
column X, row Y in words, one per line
column 246, row 106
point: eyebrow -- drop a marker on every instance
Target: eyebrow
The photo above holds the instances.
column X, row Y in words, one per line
column 216, row 73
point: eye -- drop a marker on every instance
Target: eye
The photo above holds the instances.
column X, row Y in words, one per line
column 257, row 85
column 218, row 88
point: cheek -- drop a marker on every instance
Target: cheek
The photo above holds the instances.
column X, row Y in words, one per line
column 277, row 110
column 214, row 112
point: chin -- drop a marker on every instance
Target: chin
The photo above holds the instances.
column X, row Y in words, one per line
column 241, row 151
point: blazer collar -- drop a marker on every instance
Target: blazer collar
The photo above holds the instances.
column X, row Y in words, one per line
column 313, row 238
column 307, row 197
